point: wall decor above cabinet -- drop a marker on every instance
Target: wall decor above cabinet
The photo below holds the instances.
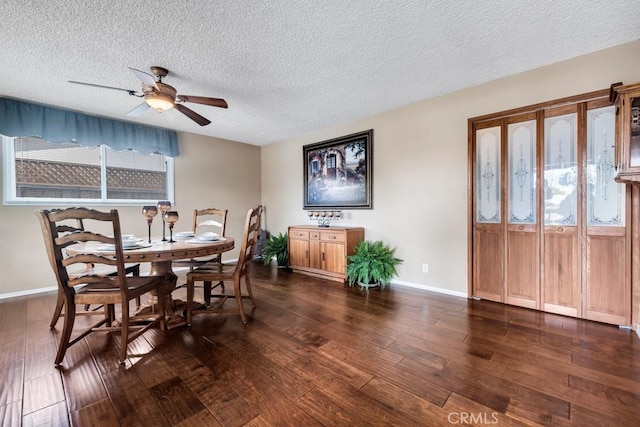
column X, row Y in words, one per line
column 338, row 172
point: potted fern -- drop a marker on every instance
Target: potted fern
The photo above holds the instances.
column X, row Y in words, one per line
column 372, row 264
column 276, row 246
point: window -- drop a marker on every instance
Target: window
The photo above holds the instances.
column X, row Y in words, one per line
column 37, row 171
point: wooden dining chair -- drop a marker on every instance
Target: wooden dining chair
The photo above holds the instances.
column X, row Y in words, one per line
column 72, row 227
column 218, row 272
column 96, row 287
column 206, row 220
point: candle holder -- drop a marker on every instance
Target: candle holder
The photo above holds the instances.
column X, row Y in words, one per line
column 171, row 217
column 324, row 218
column 163, row 207
column 149, row 212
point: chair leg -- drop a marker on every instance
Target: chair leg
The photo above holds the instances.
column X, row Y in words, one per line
column 218, row 259
column 190, row 291
column 162, row 310
column 247, row 283
column 109, row 313
column 207, row 292
column 135, row 272
column 124, row 332
column 58, row 310
column 238, row 293
column 69, row 318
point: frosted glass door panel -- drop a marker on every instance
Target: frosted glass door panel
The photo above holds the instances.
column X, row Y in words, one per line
column 560, row 170
column 605, row 197
column 488, row 175
column 522, row 172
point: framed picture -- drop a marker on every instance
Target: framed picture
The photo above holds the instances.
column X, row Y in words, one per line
column 338, row 173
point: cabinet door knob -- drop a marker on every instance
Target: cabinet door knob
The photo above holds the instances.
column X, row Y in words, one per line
column 521, row 227
column 560, row 229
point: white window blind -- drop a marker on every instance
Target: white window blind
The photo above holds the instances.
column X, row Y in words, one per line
column 37, row 171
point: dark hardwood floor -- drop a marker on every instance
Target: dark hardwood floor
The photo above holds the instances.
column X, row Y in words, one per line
column 319, row 353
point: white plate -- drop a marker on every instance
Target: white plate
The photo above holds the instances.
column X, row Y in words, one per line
column 209, row 236
column 103, row 247
column 181, row 235
column 131, row 242
column 110, row 247
column 184, row 234
column 197, row 241
column 140, row 245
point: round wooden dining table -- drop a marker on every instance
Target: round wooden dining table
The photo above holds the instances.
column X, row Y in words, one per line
column 161, row 255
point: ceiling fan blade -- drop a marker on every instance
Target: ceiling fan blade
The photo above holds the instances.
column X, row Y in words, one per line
column 214, row 102
column 139, row 110
column 193, row 115
column 146, row 78
column 131, row 92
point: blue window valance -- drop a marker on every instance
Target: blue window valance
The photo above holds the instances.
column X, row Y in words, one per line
column 19, row 118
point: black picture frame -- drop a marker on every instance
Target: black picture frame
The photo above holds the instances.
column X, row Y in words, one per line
column 338, row 173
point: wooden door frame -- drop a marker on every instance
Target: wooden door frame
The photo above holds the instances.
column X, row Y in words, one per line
column 632, row 207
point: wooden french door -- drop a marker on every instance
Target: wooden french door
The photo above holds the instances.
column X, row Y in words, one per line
column 488, row 232
column 548, row 227
column 562, row 175
column 506, row 253
column 522, row 286
column 606, row 269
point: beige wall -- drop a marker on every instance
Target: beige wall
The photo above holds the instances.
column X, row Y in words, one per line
column 420, row 163
column 420, row 175
column 215, row 173
column 208, row 173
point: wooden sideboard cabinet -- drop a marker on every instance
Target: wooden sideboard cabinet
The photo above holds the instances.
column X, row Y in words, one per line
column 322, row 251
column 628, row 133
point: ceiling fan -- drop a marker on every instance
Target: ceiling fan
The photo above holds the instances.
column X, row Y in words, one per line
column 162, row 97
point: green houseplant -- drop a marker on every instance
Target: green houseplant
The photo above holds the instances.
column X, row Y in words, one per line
column 372, row 264
column 276, row 246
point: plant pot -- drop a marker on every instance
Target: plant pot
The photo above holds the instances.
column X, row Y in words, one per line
column 368, row 285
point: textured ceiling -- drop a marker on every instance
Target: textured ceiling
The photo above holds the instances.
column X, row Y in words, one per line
column 289, row 67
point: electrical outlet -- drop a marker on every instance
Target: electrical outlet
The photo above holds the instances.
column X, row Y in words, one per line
column 425, row 268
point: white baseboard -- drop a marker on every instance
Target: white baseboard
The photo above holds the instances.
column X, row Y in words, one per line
column 430, row 288
column 27, row 292
column 177, row 270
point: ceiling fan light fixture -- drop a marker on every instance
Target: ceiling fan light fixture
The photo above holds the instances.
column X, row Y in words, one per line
column 161, row 96
column 159, row 101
